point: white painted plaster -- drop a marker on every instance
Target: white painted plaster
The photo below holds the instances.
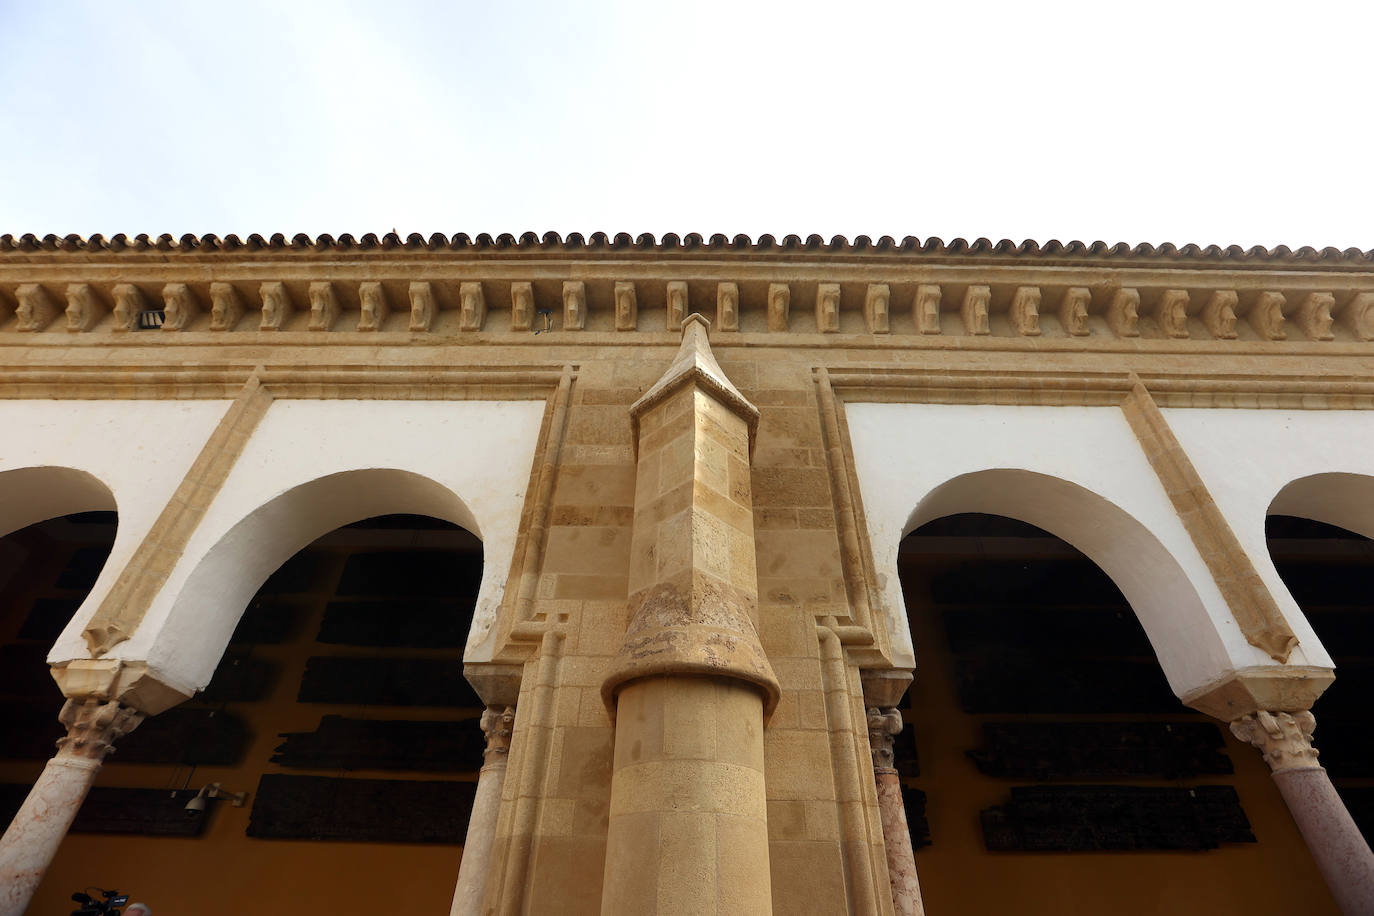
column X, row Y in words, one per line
column 918, row 462
column 1259, row 461
column 312, row 466
column 60, row 457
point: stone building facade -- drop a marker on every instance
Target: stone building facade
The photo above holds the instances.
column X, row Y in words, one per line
column 691, row 465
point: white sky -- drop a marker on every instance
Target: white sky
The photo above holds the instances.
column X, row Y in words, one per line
column 1207, row 122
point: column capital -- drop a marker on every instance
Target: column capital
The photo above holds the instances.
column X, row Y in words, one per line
column 498, row 723
column 93, row 726
column 883, row 726
column 1285, row 739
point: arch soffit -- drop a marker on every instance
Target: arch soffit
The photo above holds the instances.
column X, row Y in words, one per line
column 1184, row 637
column 30, row 495
column 195, row 631
column 1337, row 498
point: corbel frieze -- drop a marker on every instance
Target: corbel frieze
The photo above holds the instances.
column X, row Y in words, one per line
column 373, row 304
column 877, row 299
column 179, row 306
column 472, row 306
column 1025, row 311
column 1073, row 310
column 727, row 307
column 626, row 306
column 36, row 308
column 84, row 307
column 129, row 304
column 925, row 308
column 226, row 306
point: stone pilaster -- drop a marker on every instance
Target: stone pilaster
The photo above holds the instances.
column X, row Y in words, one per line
column 883, row 726
column 690, row 687
column 93, row 726
column 497, row 724
column 1341, row 853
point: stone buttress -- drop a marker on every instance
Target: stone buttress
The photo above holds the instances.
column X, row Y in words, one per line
column 690, row 687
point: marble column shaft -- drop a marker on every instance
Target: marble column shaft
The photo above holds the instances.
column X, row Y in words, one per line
column 37, row 831
column 883, row 726
column 1340, row 851
column 497, row 725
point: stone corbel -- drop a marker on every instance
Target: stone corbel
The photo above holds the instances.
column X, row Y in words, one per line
column 423, row 307
column 677, row 304
column 179, row 306
column 1171, row 311
column 779, row 306
column 626, row 306
column 374, row 306
column 574, row 305
column 226, row 306
column 828, row 308
column 1219, row 314
column 1358, row 316
column 521, row 306
column 974, row 311
column 1314, row 315
column 472, row 306
column 727, row 307
column 324, row 306
column 1025, row 311
column 84, row 308
column 1266, row 315
column 1123, row 313
column 1073, row 310
column 129, row 303
column 925, row 309
column 877, row 299
column 130, row 684
column 276, row 306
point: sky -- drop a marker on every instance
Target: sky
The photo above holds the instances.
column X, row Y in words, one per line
column 1207, row 122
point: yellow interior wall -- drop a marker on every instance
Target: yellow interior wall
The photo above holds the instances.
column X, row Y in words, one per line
column 958, row 876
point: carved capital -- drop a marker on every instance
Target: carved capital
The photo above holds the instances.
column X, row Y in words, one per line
column 1285, row 739
column 93, row 726
column 498, row 723
column 883, row 726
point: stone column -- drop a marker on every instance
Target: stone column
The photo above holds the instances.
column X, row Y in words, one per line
column 33, row 836
column 1341, row 853
column 497, row 725
column 690, row 687
column 883, row 726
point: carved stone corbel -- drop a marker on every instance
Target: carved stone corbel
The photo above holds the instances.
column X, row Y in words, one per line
column 472, row 306
column 1171, row 311
column 877, row 298
column 179, row 307
column 226, row 306
column 374, row 306
column 1266, row 315
column 1219, row 314
column 677, row 304
column 1358, row 316
column 1025, row 311
column 1314, row 315
column 925, row 309
column 974, row 311
column 779, row 306
column 276, row 306
column 84, row 307
column 574, row 305
column 324, row 306
column 828, row 308
column 727, row 307
column 1123, row 313
column 521, row 306
column 423, row 307
column 1073, row 310
column 626, row 306
column 129, row 303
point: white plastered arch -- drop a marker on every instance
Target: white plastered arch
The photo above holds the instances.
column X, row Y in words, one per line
column 35, row 494
column 1150, row 578
column 1336, row 498
column 1089, row 456
column 215, row 594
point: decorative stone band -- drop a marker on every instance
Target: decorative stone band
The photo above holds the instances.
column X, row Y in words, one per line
column 1284, row 738
column 1255, row 611
column 883, row 726
column 709, row 633
column 93, row 726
